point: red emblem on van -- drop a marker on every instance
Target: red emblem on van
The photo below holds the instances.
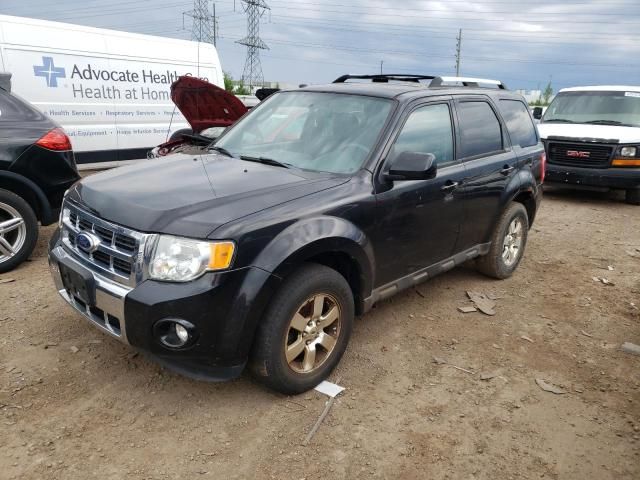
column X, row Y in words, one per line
column 578, row 154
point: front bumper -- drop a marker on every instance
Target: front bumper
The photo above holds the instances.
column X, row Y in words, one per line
column 599, row 178
column 224, row 308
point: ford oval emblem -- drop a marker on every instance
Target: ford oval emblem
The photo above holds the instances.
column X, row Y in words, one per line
column 87, row 242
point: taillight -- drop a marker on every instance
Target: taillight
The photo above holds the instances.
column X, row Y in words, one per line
column 543, row 166
column 55, row 140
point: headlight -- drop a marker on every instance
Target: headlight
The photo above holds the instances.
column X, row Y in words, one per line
column 628, row 151
column 181, row 259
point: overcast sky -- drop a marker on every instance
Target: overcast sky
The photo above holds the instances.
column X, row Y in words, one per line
column 523, row 43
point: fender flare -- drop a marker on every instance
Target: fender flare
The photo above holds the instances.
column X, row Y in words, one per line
column 315, row 236
column 44, row 214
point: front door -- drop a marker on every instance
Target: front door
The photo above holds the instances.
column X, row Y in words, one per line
column 419, row 220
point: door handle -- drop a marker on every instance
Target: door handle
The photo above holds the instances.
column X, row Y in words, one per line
column 449, row 186
column 506, row 170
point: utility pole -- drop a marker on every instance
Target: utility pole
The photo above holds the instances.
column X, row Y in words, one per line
column 381, row 62
column 458, row 51
column 252, row 74
column 204, row 27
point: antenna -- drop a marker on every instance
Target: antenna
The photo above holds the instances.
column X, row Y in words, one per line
column 458, row 52
column 252, row 74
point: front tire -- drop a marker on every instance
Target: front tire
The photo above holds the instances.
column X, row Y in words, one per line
column 305, row 330
column 633, row 196
column 18, row 230
column 507, row 243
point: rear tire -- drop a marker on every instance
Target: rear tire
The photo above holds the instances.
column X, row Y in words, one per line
column 507, row 243
column 633, row 196
column 305, row 330
column 18, row 230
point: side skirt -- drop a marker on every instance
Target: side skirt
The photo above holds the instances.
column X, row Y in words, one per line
column 390, row 289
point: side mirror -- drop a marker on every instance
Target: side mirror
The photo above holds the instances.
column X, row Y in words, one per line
column 537, row 113
column 413, row 166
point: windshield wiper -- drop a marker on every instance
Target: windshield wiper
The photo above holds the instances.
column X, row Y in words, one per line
column 265, row 160
column 609, row 122
column 222, row 150
column 559, row 120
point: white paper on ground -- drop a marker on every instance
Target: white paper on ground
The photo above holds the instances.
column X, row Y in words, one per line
column 329, row 388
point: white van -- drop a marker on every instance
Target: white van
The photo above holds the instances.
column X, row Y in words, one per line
column 110, row 90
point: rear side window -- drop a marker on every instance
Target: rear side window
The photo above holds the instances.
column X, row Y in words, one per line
column 480, row 130
column 519, row 124
column 427, row 130
column 12, row 109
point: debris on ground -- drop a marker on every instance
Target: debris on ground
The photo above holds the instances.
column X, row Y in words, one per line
column 604, row 281
column 631, row 348
column 74, row 349
column 482, row 302
column 7, row 280
column 441, row 361
column 467, row 309
column 586, row 334
column 550, row 387
column 332, row 390
column 488, row 376
column 524, row 337
column 328, row 388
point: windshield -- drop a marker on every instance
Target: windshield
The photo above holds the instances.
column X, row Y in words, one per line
column 326, row 132
column 606, row 108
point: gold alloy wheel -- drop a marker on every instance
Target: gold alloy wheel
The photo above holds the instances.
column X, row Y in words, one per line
column 512, row 243
column 313, row 333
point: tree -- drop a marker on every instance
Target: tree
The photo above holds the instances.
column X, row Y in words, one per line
column 241, row 89
column 547, row 94
column 228, row 82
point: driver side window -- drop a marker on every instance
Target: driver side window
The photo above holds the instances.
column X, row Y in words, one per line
column 427, row 130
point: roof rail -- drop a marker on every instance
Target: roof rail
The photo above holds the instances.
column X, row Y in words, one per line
column 384, row 78
column 467, row 82
column 435, row 81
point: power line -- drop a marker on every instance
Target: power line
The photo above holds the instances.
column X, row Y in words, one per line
column 204, row 27
column 252, row 73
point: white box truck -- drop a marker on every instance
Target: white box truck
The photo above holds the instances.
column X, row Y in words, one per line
column 110, row 90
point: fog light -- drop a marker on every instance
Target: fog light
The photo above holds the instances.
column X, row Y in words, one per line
column 182, row 333
column 175, row 333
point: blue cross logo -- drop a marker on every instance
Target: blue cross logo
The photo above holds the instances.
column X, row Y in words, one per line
column 49, row 71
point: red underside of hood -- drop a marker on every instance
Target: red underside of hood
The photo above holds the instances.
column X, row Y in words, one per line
column 205, row 105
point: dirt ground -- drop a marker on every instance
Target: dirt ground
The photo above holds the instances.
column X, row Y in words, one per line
column 75, row 404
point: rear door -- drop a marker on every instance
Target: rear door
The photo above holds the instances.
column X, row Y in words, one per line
column 522, row 132
column 490, row 162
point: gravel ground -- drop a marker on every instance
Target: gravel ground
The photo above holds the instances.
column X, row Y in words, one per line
column 75, row 404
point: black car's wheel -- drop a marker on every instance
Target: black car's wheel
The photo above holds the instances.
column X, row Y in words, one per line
column 305, row 330
column 633, row 196
column 507, row 243
column 18, row 230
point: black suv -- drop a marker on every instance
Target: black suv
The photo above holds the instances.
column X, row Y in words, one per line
column 314, row 206
column 36, row 167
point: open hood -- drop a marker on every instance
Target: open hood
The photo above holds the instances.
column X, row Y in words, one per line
column 205, row 105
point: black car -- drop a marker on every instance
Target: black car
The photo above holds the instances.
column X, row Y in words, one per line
column 314, row 206
column 36, row 168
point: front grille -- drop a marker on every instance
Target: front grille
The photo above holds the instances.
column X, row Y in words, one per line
column 579, row 154
column 116, row 253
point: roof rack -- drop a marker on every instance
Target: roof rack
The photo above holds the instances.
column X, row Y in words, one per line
column 385, row 78
column 435, row 81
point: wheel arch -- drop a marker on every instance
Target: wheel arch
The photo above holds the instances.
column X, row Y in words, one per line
column 330, row 241
column 30, row 192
